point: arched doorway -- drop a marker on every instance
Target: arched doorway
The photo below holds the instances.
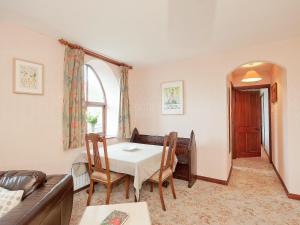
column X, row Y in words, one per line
column 256, row 110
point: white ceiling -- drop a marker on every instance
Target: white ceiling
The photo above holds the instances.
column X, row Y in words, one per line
column 142, row 32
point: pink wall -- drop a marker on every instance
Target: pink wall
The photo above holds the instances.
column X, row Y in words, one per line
column 205, row 110
column 278, row 119
column 206, row 104
column 31, row 126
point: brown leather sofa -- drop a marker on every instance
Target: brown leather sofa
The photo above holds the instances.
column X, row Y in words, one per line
column 47, row 200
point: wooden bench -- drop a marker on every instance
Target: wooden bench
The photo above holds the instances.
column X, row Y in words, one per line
column 184, row 149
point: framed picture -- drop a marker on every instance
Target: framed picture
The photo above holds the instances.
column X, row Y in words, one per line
column 172, row 97
column 274, row 93
column 28, row 77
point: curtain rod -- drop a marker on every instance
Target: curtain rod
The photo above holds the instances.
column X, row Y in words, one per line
column 94, row 54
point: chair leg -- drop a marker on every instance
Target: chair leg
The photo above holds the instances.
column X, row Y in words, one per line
column 151, row 187
column 90, row 192
column 108, row 194
column 161, row 196
column 172, row 187
column 127, row 187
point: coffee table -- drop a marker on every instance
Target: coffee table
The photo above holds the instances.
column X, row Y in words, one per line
column 138, row 213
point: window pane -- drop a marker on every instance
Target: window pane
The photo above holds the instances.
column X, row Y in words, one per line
column 94, row 112
column 95, row 93
column 85, row 82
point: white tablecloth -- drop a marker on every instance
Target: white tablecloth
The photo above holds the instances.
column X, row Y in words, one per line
column 141, row 163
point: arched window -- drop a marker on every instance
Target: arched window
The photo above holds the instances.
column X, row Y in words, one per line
column 95, row 101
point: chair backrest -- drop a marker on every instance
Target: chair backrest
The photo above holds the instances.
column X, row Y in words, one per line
column 94, row 164
column 171, row 141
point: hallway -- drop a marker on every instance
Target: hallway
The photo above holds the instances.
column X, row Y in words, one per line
column 254, row 196
column 261, row 193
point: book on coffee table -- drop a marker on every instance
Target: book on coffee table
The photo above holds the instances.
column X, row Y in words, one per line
column 116, row 217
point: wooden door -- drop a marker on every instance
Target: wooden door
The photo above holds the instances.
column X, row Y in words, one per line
column 247, row 124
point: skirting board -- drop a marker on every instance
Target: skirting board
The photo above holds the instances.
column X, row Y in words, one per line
column 213, row 180
column 293, row 196
column 290, row 195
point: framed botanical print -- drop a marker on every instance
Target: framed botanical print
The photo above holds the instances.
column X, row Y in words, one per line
column 172, row 97
column 274, row 93
column 28, row 77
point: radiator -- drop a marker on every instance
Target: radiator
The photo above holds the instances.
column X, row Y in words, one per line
column 80, row 181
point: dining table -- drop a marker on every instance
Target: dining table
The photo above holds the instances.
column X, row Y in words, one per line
column 138, row 160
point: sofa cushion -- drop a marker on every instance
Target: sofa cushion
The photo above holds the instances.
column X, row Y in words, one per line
column 50, row 204
column 25, row 180
column 8, row 200
column 1, row 173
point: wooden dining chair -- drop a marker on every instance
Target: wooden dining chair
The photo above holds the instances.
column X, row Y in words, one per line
column 166, row 167
column 99, row 173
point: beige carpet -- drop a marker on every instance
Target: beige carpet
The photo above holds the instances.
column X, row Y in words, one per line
column 253, row 196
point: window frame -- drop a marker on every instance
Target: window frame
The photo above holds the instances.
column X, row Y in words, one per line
column 88, row 103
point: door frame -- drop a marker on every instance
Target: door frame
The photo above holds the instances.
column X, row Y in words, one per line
column 232, row 102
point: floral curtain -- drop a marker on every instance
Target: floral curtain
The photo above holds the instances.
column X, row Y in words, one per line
column 124, row 114
column 74, row 100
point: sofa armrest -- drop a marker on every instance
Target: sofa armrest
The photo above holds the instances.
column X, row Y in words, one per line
column 50, row 204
